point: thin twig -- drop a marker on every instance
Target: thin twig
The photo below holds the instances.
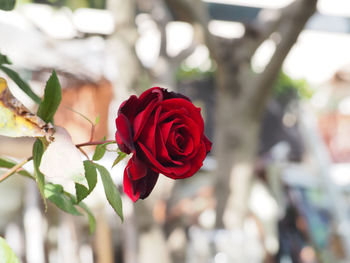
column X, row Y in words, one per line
column 92, row 132
column 93, row 125
column 15, row 168
column 81, row 115
column 93, row 143
column 84, row 153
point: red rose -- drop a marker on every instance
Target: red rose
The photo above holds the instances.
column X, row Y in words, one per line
column 165, row 133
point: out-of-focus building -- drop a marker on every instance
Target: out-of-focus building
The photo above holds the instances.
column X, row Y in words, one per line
column 333, row 101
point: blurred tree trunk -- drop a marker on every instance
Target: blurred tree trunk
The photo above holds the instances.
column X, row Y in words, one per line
column 121, row 45
column 163, row 72
column 241, row 95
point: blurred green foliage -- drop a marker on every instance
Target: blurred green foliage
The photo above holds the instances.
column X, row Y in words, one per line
column 74, row 4
column 186, row 73
column 7, row 5
column 286, row 84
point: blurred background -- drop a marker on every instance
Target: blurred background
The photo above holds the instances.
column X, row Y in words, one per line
column 273, row 81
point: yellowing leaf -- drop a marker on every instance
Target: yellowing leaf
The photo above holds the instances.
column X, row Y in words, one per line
column 16, row 120
column 6, row 253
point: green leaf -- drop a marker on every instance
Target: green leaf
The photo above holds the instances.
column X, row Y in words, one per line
column 120, row 157
column 90, row 174
column 7, row 5
column 4, row 59
column 91, row 177
column 52, row 99
column 38, row 151
column 111, row 190
column 97, row 120
column 21, row 83
column 6, row 163
column 55, row 193
column 6, row 253
column 81, row 192
column 100, row 151
column 91, row 218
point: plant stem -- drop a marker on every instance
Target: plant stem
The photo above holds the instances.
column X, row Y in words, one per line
column 92, row 143
column 83, row 152
column 92, row 133
column 15, row 168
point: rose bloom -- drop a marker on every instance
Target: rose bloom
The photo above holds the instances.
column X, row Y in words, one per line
column 165, row 133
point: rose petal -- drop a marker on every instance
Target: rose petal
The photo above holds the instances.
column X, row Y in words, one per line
column 140, row 188
column 162, row 152
column 165, row 129
column 147, row 183
column 193, row 112
column 185, row 121
column 124, row 134
column 142, row 118
column 194, row 130
column 155, row 93
column 171, row 95
column 164, row 93
column 149, row 132
column 172, row 171
column 137, row 168
column 186, row 149
column 128, row 187
column 171, row 142
column 148, row 100
column 129, row 108
column 172, row 115
column 121, row 144
column 196, row 163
